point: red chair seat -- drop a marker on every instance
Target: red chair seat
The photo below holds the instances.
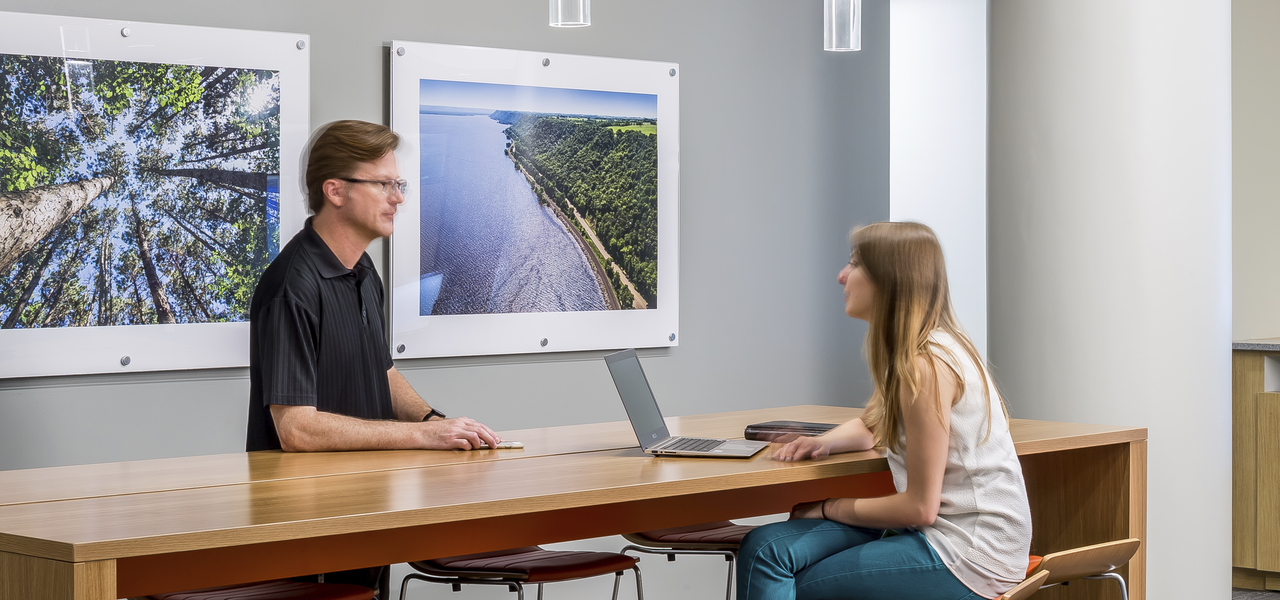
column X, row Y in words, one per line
column 530, row 564
column 1033, row 561
column 274, row 590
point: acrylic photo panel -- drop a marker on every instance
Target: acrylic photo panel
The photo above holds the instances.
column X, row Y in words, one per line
column 543, row 202
column 148, row 174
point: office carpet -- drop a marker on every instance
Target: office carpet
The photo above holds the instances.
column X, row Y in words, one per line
column 1239, row 594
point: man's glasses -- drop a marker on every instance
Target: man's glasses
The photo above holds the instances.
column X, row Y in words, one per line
column 388, row 185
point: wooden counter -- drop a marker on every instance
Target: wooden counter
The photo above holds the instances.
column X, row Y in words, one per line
column 1255, row 466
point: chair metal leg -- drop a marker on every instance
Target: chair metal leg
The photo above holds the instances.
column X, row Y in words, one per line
column 640, row 584
column 384, row 582
column 617, row 580
column 728, row 588
column 671, row 555
column 539, row 591
column 404, row 587
column 512, row 585
column 1124, row 590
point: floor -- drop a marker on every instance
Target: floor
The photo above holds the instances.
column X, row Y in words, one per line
column 1239, row 594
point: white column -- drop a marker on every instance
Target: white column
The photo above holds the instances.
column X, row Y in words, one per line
column 938, row 139
column 1110, row 247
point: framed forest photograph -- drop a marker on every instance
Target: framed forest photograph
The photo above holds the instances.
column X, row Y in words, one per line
column 542, row 214
column 148, row 174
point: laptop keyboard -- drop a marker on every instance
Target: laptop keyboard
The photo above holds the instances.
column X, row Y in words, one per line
column 686, row 444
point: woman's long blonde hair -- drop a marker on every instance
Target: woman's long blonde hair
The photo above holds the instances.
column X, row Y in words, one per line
column 911, row 301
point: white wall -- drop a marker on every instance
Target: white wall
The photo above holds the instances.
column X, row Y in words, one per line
column 1110, row 247
column 938, row 139
column 1255, row 212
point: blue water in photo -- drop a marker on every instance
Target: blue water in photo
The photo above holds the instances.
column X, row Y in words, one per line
column 494, row 248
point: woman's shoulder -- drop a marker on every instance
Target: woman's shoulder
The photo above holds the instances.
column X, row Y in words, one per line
column 944, row 346
column 942, row 337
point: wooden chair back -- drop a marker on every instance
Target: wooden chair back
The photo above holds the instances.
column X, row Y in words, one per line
column 1088, row 560
column 1028, row 586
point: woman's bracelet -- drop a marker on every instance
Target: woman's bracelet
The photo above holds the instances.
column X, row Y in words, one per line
column 824, row 510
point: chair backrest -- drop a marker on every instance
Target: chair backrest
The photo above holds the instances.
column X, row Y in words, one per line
column 1087, row 560
column 1028, row 586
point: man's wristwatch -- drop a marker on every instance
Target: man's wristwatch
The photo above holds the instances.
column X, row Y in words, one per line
column 434, row 413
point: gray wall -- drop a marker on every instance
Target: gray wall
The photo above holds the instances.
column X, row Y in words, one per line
column 783, row 148
column 1110, row 248
column 1255, row 181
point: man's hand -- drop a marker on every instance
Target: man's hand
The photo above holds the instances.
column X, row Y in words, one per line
column 803, row 448
column 457, row 434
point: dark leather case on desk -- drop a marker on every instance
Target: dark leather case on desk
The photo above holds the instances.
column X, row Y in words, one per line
column 773, row 430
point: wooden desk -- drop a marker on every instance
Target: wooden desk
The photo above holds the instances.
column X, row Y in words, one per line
column 101, row 532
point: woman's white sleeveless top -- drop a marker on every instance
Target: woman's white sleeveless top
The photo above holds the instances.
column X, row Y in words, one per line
column 983, row 529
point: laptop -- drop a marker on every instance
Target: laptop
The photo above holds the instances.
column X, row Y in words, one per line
column 646, row 419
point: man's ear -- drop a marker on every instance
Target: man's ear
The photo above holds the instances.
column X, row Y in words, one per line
column 333, row 192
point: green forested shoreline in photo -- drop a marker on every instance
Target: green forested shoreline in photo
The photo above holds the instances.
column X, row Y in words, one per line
column 134, row 193
column 608, row 169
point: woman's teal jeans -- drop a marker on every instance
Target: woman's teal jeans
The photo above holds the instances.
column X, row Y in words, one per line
column 824, row 560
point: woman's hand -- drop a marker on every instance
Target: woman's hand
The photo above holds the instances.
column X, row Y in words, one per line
column 807, row 510
column 803, row 448
column 849, row 437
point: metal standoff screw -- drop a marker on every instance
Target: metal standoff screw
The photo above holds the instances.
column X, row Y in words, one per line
column 671, row 337
column 124, row 360
column 672, row 72
column 543, row 343
column 400, row 51
column 400, row 349
column 125, row 32
column 302, row 44
column 546, row 62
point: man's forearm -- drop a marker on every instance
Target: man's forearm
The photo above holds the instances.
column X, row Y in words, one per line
column 305, row 429
column 309, row 430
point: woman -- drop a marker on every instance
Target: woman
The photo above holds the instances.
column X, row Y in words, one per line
column 959, row 525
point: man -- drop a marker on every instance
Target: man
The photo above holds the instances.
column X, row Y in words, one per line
column 320, row 371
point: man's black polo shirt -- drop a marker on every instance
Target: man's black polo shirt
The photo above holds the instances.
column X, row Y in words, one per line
column 316, row 338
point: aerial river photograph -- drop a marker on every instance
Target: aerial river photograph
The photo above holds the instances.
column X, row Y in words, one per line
column 536, row 199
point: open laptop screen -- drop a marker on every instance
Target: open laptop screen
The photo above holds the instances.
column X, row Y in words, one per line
column 637, row 397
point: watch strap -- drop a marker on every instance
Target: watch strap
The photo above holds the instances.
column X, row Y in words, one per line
column 434, row 413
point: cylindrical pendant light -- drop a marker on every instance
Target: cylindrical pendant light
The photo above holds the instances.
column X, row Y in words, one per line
column 841, row 25
column 570, row 13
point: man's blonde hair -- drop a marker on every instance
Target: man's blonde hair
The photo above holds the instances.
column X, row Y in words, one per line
column 337, row 150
